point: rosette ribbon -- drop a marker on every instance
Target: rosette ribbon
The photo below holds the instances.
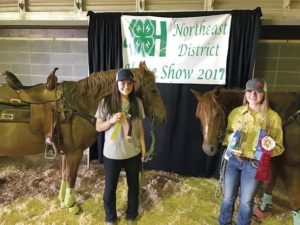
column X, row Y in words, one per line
column 124, row 123
column 267, row 143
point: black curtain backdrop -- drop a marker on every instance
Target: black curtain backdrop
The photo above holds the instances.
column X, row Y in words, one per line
column 178, row 142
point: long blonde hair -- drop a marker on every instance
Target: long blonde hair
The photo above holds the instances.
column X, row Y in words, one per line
column 263, row 109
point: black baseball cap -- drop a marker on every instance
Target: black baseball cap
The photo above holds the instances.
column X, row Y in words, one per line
column 124, row 74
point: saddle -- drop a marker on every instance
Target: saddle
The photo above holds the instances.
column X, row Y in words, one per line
column 36, row 94
column 37, row 105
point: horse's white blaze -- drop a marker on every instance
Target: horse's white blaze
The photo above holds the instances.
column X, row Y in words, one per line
column 206, row 126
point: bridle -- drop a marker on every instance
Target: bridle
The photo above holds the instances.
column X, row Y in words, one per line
column 151, row 151
column 221, row 109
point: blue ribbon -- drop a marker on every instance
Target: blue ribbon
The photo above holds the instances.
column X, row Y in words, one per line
column 234, row 144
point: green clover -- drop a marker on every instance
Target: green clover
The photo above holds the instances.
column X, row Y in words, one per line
column 142, row 34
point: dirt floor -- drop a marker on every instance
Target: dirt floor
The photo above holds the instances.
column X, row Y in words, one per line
column 29, row 188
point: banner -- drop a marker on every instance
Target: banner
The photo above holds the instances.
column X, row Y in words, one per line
column 179, row 50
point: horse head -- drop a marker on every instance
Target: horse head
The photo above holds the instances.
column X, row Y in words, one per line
column 89, row 91
column 212, row 117
column 147, row 90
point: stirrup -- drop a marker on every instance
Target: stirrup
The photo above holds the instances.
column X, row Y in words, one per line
column 50, row 149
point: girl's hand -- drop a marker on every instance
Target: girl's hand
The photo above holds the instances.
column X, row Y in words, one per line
column 143, row 155
column 115, row 118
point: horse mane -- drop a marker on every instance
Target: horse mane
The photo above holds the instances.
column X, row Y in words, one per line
column 102, row 83
column 225, row 96
column 97, row 83
column 220, row 97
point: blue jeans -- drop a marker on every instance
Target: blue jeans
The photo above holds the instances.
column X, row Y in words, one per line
column 239, row 178
column 112, row 169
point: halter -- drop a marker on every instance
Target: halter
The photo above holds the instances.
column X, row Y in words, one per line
column 151, row 152
column 222, row 134
column 292, row 118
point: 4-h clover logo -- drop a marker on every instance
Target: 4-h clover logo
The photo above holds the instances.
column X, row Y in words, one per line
column 143, row 34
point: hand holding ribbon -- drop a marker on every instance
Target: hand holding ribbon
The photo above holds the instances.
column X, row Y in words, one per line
column 122, row 122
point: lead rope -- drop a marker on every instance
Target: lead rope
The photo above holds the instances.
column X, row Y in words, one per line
column 292, row 117
column 220, row 185
column 151, row 152
column 149, row 157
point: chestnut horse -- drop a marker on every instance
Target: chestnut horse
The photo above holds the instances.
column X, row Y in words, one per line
column 65, row 113
column 213, row 108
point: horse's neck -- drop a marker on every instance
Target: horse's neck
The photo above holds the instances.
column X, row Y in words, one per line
column 231, row 99
column 83, row 101
column 284, row 103
column 92, row 89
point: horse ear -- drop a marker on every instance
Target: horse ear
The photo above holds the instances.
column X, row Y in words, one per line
column 216, row 92
column 197, row 94
column 142, row 67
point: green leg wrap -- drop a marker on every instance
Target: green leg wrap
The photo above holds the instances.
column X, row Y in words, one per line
column 69, row 197
column 266, row 202
column 296, row 217
column 62, row 190
column 74, row 209
column 69, row 201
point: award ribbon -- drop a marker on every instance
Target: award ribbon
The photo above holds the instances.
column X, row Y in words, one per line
column 267, row 143
column 233, row 145
column 123, row 123
column 258, row 149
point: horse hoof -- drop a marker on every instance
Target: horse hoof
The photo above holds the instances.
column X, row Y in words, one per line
column 74, row 209
column 259, row 214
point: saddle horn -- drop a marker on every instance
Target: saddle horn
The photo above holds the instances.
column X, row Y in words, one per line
column 52, row 80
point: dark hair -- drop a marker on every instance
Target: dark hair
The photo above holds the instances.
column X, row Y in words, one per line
column 113, row 102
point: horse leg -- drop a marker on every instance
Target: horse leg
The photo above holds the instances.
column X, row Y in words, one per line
column 72, row 164
column 292, row 183
column 63, row 184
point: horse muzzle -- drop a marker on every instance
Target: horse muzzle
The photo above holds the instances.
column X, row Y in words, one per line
column 209, row 150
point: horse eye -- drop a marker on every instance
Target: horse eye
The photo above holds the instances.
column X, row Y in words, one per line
column 218, row 114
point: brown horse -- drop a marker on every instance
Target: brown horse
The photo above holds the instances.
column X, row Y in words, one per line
column 65, row 113
column 212, row 110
